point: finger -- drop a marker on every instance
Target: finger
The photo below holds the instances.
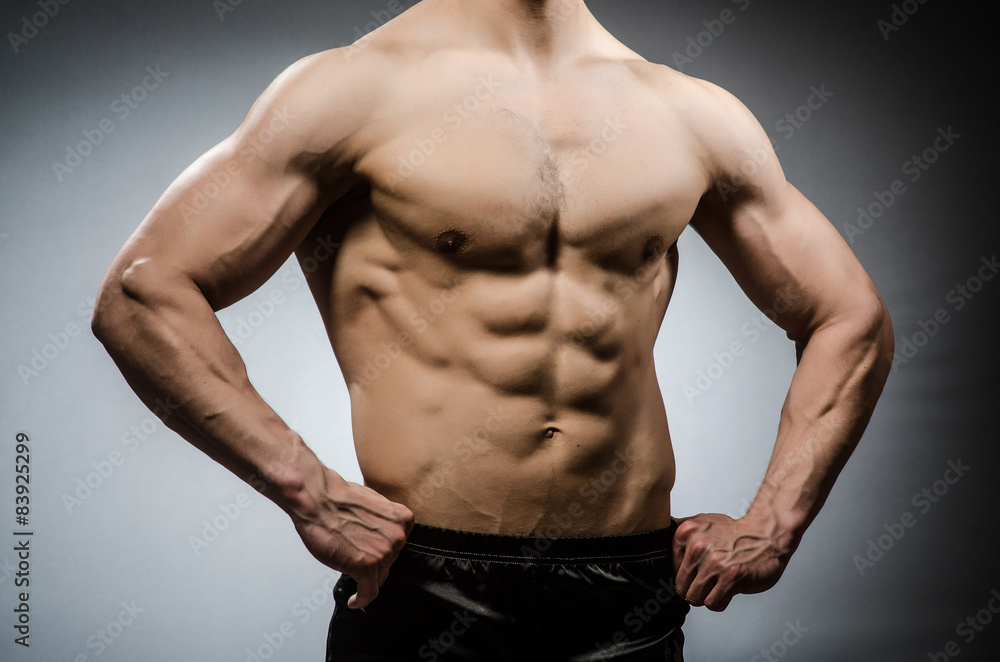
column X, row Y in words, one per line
column 406, row 525
column 406, row 517
column 688, row 566
column 701, row 587
column 679, row 549
column 396, row 537
column 725, row 588
column 720, row 597
column 367, row 590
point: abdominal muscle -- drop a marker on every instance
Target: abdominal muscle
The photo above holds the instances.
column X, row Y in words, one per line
column 521, row 403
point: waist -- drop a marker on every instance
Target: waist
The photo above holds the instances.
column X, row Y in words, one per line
column 472, row 545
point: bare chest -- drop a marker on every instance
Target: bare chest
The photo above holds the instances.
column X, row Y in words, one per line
column 500, row 175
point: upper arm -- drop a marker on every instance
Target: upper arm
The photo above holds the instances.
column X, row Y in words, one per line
column 236, row 214
column 784, row 253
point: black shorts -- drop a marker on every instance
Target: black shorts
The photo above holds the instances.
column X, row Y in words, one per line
column 458, row 595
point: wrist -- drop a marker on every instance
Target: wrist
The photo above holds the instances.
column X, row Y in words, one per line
column 296, row 480
column 784, row 526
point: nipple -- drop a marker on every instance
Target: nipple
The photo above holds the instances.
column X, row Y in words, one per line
column 451, row 242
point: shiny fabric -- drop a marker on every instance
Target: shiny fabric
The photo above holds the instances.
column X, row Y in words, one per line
column 458, row 595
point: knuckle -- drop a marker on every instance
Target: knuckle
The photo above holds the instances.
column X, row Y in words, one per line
column 364, row 560
column 718, row 560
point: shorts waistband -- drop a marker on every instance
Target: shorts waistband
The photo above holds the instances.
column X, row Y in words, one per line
column 453, row 543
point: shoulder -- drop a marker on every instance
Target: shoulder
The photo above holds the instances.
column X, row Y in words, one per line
column 712, row 114
column 347, row 85
column 330, row 81
column 312, row 109
column 729, row 141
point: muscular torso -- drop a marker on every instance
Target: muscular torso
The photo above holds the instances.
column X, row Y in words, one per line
column 506, row 256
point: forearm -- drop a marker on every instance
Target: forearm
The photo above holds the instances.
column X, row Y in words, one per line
column 165, row 338
column 841, row 372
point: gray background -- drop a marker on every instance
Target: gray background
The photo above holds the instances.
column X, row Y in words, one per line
column 129, row 540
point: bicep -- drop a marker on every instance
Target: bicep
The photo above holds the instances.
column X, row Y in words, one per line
column 788, row 259
column 229, row 221
column 782, row 251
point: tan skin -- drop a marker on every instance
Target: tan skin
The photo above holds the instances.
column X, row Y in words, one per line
column 494, row 305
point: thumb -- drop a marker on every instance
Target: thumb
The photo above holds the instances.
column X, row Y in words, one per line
column 367, row 591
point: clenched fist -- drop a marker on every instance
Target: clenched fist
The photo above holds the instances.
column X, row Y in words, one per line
column 716, row 557
column 356, row 530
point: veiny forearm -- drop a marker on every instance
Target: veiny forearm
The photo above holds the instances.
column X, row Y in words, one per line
column 164, row 336
column 842, row 369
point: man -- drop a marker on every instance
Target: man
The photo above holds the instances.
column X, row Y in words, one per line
column 485, row 196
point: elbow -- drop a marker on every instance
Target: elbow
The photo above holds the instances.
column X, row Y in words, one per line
column 886, row 335
column 875, row 333
column 107, row 315
column 862, row 333
column 121, row 290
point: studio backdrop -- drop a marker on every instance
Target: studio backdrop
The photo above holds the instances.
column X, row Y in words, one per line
column 133, row 545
